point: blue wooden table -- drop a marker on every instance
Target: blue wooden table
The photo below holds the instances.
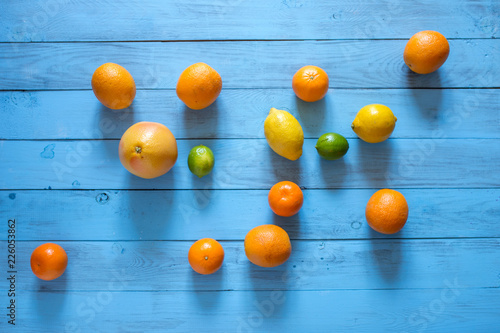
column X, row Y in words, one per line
column 127, row 238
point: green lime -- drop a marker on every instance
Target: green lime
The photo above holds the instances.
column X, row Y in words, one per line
column 332, row 146
column 201, row 160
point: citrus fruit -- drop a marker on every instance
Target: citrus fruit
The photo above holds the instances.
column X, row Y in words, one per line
column 332, row 146
column 206, row 256
column 148, row 149
column 267, row 245
column 374, row 123
column 310, row 83
column 285, row 198
column 387, row 211
column 284, row 134
column 201, row 161
column 113, row 86
column 426, row 51
column 49, row 261
column 199, row 86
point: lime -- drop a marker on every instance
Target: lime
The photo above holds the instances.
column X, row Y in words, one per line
column 201, row 160
column 332, row 146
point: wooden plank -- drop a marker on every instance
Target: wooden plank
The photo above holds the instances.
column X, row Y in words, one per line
column 64, row 20
column 191, row 215
column 239, row 113
column 313, row 265
column 250, row 64
column 251, row 164
column 431, row 310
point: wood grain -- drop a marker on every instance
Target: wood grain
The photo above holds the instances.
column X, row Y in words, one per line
column 77, row 20
column 246, row 64
column 313, row 265
column 429, row 310
column 240, row 113
column 251, row 164
column 230, row 214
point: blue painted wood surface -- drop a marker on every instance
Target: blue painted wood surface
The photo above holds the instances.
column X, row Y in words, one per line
column 420, row 112
column 127, row 238
column 77, row 20
column 313, row 265
column 366, row 63
column 251, row 164
column 183, row 214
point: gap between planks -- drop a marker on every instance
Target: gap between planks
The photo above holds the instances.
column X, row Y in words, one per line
column 227, row 138
column 270, row 88
column 241, row 240
column 226, row 40
column 303, row 188
column 55, row 291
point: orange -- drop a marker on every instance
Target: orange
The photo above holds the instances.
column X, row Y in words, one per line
column 387, row 211
column 49, row 261
column 426, row 51
column 148, row 149
column 206, row 256
column 310, row 83
column 267, row 245
column 199, row 86
column 285, row 198
column 113, row 86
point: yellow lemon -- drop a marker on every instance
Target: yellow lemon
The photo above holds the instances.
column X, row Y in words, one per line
column 284, row 134
column 374, row 123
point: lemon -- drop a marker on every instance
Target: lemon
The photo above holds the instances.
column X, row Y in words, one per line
column 201, row 161
column 284, row 134
column 374, row 123
column 332, row 146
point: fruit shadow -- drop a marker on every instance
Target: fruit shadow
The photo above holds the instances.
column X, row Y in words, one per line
column 57, row 296
column 429, row 101
column 150, row 226
column 421, row 81
column 201, row 123
column 215, row 281
column 111, row 124
column 284, row 169
column 374, row 160
column 269, row 279
column 334, row 172
column 387, row 254
column 291, row 224
column 200, row 186
column 312, row 116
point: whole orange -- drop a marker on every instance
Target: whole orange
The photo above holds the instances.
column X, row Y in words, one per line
column 387, row 211
column 206, row 256
column 199, row 86
column 285, row 198
column 49, row 261
column 148, row 149
column 267, row 245
column 310, row 83
column 426, row 51
column 113, row 86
